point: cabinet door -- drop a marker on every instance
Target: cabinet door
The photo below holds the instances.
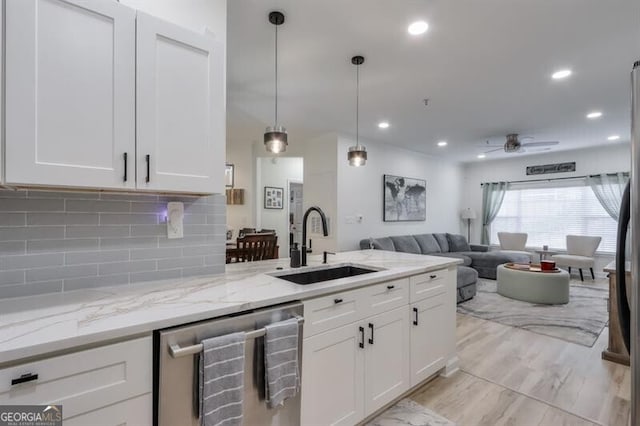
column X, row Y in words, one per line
column 70, row 93
column 132, row 412
column 180, row 108
column 332, row 372
column 82, row 381
column 386, row 374
column 430, row 337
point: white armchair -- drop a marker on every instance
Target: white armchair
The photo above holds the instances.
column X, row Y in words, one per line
column 580, row 253
column 513, row 242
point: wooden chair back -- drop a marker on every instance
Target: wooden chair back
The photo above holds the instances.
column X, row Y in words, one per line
column 255, row 247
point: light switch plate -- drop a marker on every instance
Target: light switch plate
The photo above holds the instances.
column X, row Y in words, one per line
column 175, row 220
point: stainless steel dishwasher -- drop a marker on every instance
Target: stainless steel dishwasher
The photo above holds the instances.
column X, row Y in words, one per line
column 176, row 358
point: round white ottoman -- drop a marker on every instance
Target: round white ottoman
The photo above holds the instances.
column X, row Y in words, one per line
column 535, row 287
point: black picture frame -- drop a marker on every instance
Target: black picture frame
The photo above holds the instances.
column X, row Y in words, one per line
column 404, row 199
column 273, row 197
column 229, row 175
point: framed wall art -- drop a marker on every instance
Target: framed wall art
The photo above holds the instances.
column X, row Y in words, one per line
column 405, row 199
column 273, row 197
column 228, row 175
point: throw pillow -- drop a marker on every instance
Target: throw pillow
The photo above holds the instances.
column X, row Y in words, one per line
column 458, row 243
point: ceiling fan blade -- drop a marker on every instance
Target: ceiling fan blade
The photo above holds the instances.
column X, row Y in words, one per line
column 494, row 150
column 545, row 143
column 531, row 150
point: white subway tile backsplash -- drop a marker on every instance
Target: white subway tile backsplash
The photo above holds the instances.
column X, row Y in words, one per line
column 52, row 241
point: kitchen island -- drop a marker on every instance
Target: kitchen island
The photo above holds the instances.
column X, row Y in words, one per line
column 42, row 329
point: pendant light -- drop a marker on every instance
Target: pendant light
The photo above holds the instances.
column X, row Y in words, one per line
column 357, row 154
column 275, row 138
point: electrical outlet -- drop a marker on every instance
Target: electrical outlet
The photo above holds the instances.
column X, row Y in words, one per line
column 175, row 220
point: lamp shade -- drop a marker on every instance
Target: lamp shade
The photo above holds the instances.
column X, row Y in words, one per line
column 468, row 213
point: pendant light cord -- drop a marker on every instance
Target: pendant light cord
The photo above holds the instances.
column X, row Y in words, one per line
column 357, row 105
column 276, row 73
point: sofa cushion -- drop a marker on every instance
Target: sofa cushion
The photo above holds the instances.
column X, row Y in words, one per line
column 466, row 276
column 427, row 243
column 406, row 244
column 457, row 243
column 486, row 263
column 465, row 259
column 442, row 242
column 383, row 243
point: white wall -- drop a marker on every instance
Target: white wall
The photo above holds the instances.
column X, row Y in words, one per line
column 320, row 183
column 240, row 154
column 360, row 192
column 276, row 172
column 606, row 159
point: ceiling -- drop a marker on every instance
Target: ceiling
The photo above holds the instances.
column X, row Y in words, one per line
column 485, row 67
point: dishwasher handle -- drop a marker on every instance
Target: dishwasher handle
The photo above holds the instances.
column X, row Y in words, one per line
column 176, row 351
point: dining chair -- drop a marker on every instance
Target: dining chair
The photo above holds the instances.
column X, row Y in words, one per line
column 580, row 253
column 254, row 247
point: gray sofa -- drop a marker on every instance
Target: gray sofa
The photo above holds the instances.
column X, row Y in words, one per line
column 478, row 261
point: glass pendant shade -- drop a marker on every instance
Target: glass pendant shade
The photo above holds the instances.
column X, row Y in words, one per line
column 357, row 155
column 275, row 139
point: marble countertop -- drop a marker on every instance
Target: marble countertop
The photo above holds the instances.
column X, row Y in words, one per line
column 36, row 325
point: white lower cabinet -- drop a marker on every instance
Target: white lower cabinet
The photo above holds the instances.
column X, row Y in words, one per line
column 351, row 370
column 107, row 380
column 428, row 337
column 333, row 385
column 132, row 412
column 386, row 372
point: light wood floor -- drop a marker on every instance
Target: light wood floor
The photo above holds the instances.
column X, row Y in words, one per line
column 511, row 376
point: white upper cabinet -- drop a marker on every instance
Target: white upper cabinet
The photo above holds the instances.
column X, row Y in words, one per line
column 70, row 93
column 180, row 109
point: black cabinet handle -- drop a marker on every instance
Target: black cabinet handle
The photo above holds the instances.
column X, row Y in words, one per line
column 415, row 321
column 336, row 301
column 361, row 344
column 29, row 377
column 125, row 166
column 433, row 276
column 148, row 159
column 371, row 338
column 391, row 287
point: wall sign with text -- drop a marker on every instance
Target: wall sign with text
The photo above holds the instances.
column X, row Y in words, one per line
column 551, row 168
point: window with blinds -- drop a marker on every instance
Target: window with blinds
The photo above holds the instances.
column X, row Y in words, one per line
column 549, row 213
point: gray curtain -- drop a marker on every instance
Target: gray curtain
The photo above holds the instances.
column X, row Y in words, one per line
column 492, row 197
column 608, row 189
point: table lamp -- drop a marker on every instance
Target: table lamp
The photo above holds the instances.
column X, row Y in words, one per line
column 468, row 214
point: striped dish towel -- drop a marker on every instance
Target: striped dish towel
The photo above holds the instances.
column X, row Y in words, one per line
column 281, row 358
column 222, row 380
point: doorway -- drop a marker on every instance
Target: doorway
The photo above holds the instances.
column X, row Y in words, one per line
column 295, row 212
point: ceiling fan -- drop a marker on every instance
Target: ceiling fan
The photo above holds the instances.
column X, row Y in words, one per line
column 515, row 145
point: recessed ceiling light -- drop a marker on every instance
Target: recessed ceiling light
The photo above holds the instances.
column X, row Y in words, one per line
column 383, row 125
column 613, row 137
column 442, row 143
column 594, row 114
column 560, row 74
column 418, row 27
column 482, row 155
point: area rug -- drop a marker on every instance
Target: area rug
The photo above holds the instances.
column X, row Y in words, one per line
column 409, row 413
column 580, row 321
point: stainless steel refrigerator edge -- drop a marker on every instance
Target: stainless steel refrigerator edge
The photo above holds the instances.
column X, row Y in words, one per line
column 635, row 243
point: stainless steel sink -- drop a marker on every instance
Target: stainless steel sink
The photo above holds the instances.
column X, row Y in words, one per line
column 321, row 274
